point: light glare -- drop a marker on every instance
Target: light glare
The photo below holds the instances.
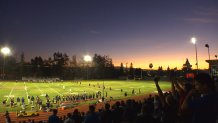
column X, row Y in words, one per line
column 5, row 50
column 87, row 58
column 193, row 40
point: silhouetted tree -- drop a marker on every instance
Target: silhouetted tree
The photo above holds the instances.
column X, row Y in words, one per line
column 103, row 66
column 160, row 71
column 131, row 71
column 187, row 66
column 138, row 73
column 11, row 67
column 121, row 69
column 22, row 62
column 168, row 72
column 37, row 66
column 168, row 68
column 48, row 67
column 60, row 60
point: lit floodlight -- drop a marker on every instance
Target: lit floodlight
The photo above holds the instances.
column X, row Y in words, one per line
column 5, row 51
column 193, row 40
column 87, row 58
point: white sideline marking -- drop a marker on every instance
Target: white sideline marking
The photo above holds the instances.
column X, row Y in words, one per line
column 26, row 90
column 11, row 92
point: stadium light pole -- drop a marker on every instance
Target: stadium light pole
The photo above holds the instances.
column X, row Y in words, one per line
column 194, row 41
column 208, row 50
column 87, row 59
column 5, row 51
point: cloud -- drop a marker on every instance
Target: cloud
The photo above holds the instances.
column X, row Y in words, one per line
column 207, row 12
column 201, row 20
column 203, row 16
column 94, row 32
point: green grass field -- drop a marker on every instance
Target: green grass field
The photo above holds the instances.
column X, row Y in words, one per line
column 22, row 89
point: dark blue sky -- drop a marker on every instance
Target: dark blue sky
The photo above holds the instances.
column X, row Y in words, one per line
column 138, row 31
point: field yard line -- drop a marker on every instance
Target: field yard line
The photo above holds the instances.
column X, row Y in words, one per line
column 26, row 90
column 38, row 88
column 54, row 90
column 11, row 92
column 3, row 83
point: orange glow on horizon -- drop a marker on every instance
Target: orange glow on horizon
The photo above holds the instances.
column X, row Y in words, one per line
column 161, row 61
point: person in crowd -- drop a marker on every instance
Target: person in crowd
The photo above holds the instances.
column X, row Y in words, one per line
column 11, row 102
column 180, row 90
column 202, row 100
column 129, row 113
column 125, row 94
column 146, row 115
column 22, row 100
column 4, row 102
column 32, row 99
column 54, row 118
column 69, row 119
column 40, row 104
column 7, row 117
column 77, row 118
column 106, row 94
column 83, row 116
column 92, row 116
column 133, row 91
column 28, row 97
column 106, row 115
column 157, row 110
column 33, row 121
column 29, row 121
column 117, row 113
column 18, row 101
column 168, row 103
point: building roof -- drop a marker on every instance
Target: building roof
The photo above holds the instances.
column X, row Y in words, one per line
column 212, row 62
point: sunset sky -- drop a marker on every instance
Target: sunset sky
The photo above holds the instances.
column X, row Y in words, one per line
column 137, row 31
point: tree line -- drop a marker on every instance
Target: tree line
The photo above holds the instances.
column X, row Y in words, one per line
column 67, row 68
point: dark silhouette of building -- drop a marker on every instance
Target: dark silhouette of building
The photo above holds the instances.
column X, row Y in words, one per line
column 213, row 67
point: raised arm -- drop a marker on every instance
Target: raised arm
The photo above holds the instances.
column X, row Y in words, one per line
column 178, row 87
column 185, row 107
column 162, row 98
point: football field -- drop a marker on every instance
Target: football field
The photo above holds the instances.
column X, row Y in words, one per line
column 114, row 89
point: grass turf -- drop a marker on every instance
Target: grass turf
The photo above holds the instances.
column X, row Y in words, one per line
column 22, row 89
